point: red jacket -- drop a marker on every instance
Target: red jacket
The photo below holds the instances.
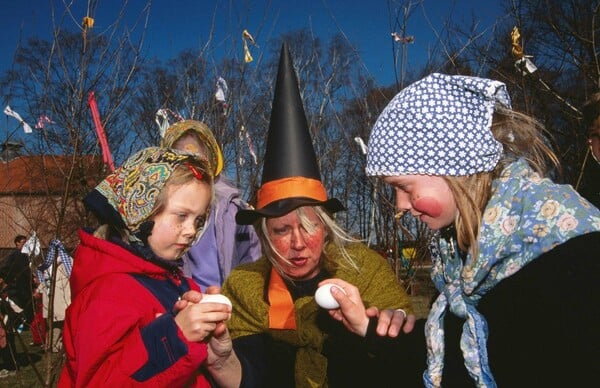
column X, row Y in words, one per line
column 112, row 335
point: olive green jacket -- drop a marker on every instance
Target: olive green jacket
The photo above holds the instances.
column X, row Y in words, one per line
column 246, row 286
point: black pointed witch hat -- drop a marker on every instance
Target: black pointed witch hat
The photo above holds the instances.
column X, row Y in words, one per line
column 291, row 176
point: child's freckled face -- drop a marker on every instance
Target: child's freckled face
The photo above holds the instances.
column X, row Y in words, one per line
column 176, row 225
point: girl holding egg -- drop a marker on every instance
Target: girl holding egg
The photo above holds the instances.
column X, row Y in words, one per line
column 124, row 326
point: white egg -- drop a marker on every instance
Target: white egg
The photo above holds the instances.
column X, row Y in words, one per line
column 324, row 298
column 215, row 298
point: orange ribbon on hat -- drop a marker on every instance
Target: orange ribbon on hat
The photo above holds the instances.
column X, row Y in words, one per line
column 291, row 187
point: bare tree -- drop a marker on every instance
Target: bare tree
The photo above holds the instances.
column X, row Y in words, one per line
column 560, row 39
column 53, row 78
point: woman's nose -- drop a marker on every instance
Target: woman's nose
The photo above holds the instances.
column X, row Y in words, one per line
column 297, row 239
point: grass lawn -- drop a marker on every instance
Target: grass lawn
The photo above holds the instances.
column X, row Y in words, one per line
column 32, row 365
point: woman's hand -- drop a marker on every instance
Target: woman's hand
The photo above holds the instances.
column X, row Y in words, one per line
column 222, row 362
column 391, row 321
column 352, row 310
column 219, row 347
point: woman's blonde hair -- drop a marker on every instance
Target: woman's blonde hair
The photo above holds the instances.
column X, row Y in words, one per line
column 522, row 137
column 334, row 235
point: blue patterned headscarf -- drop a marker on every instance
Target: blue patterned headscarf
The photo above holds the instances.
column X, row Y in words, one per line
column 439, row 125
column 526, row 216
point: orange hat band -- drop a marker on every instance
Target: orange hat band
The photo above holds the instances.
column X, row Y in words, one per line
column 285, row 188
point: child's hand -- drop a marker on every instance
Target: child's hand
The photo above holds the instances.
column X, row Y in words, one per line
column 193, row 297
column 188, row 297
column 198, row 321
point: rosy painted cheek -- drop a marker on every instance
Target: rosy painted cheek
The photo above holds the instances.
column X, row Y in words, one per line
column 314, row 243
column 282, row 245
column 429, row 206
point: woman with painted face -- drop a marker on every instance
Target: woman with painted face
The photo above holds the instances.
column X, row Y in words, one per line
column 124, row 327
column 277, row 326
column 515, row 257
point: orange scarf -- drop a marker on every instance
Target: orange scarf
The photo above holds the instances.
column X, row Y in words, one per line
column 281, row 310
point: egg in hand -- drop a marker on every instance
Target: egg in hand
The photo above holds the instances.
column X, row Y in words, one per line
column 324, row 298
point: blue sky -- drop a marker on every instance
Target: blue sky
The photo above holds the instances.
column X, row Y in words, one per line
column 178, row 24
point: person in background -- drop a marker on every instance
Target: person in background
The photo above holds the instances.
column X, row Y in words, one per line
column 276, row 323
column 17, row 275
column 124, row 327
column 223, row 244
column 62, row 289
column 38, row 324
column 8, row 350
column 590, row 188
column 515, row 256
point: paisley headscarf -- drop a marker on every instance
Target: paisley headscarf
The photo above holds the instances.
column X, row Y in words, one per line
column 127, row 197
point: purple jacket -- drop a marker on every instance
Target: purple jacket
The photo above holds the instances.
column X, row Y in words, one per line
column 223, row 244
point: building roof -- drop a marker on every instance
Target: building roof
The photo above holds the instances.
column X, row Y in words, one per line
column 47, row 174
column 32, row 197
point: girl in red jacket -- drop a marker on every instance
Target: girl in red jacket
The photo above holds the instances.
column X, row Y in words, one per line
column 123, row 327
